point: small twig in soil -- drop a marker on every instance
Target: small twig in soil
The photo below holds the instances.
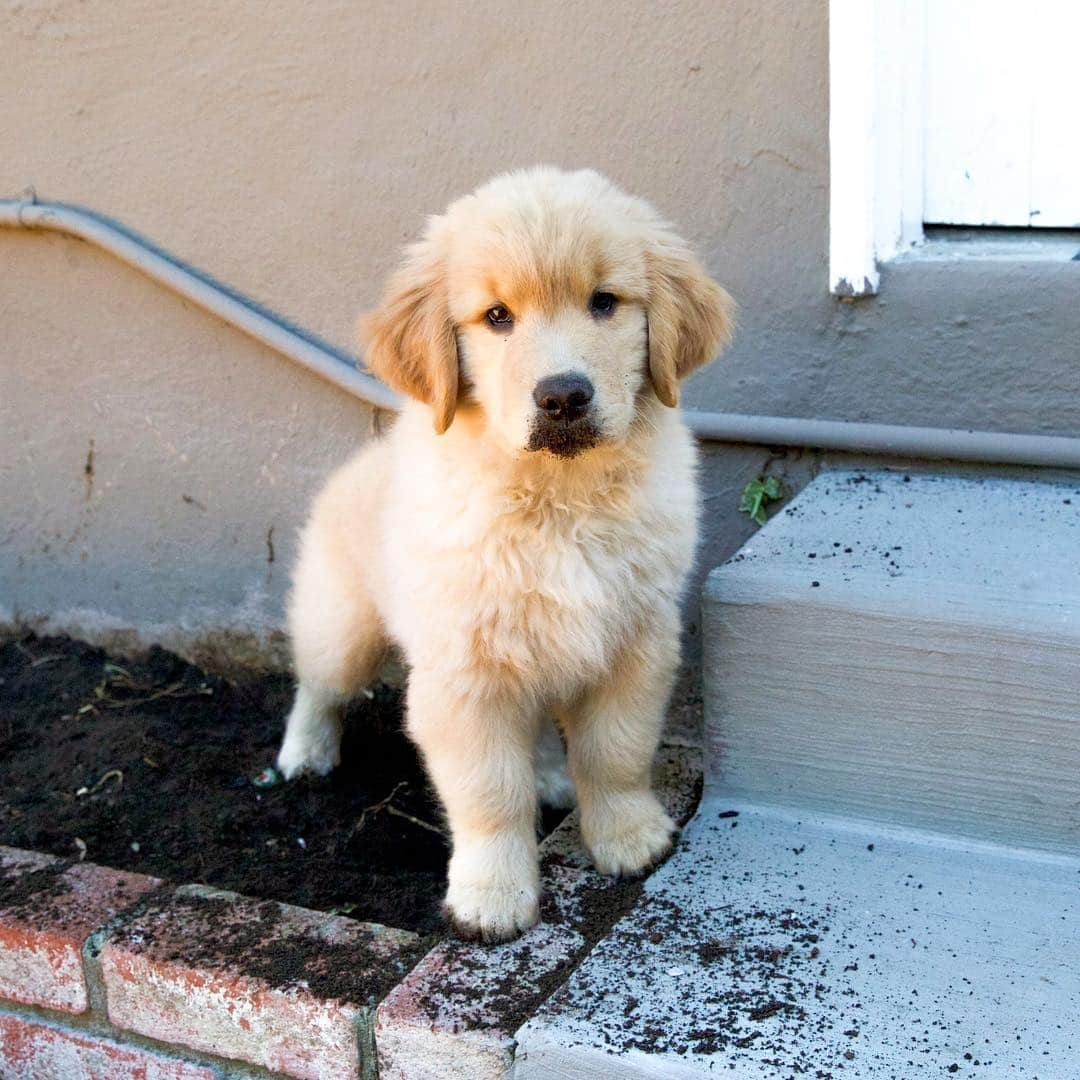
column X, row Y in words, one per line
column 106, row 777
column 386, row 804
column 112, row 774
column 118, row 678
column 168, row 691
column 766, row 1011
column 375, row 808
column 415, row 820
column 35, row 661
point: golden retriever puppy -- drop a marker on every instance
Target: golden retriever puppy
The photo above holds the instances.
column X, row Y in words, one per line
column 525, row 530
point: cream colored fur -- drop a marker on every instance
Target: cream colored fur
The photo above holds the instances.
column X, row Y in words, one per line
column 521, row 586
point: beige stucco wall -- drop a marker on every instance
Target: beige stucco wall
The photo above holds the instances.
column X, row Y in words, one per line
column 289, row 150
column 155, row 462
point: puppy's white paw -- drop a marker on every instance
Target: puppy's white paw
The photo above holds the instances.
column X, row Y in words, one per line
column 492, row 913
column 312, row 742
column 629, row 835
column 491, row 904
column 300, row 755
column 554, row 787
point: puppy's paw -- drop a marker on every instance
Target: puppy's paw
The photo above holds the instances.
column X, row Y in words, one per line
column 491, row 902
column 317, row 756
column 631, row 834
column 492, row 915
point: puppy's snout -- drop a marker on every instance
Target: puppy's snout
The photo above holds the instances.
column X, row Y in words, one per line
column 564, row 397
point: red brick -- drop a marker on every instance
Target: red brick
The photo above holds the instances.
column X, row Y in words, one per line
column 262, row 982
column 34, row 1051
column 455, row 1015
column 47, row 911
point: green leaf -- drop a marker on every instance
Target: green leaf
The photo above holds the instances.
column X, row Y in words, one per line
column 757, row 495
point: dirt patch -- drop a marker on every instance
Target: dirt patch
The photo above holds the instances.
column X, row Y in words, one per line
column 22, row 888
column 147, row 765
column 150, row 765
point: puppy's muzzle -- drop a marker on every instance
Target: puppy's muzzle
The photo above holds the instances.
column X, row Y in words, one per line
column 563, row 423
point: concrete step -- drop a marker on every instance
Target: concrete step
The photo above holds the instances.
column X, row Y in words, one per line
column 774, row 945
column 907, row 650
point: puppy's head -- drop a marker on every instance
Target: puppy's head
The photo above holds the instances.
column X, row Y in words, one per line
column 552, row 303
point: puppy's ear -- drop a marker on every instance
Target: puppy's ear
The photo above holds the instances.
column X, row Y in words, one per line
column 410, row 339
column 690, row 317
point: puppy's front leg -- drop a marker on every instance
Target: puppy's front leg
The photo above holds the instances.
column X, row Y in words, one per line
column 480, row 758
column 612, row 736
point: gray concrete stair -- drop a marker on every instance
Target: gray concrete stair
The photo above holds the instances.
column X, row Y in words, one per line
column 905, row 649
column 774, row 946
column 883, row 879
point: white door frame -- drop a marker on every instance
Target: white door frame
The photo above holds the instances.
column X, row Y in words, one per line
column 876, row 50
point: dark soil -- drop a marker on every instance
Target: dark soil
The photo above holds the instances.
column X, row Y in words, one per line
column 148, row 764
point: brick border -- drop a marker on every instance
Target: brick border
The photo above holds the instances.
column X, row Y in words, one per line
column 48, row 908
column 32, row 1048
column 107, row 974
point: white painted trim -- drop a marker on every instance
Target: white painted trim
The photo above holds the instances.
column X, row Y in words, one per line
column 899, row 70
column 876, row 56
column 852, row 266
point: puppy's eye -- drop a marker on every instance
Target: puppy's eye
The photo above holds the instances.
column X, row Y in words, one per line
column 603, row 303
column 499, row 316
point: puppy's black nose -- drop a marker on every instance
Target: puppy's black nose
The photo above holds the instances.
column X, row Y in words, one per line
column 564, row 397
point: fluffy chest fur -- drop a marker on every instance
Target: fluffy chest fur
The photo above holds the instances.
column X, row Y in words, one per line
column 534, row 575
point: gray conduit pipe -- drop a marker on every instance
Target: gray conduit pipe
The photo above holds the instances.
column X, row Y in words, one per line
column 201, row 289
column 339, row 368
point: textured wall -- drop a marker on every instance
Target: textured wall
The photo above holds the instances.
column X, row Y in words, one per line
column 155, row 463
column 291, row 153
